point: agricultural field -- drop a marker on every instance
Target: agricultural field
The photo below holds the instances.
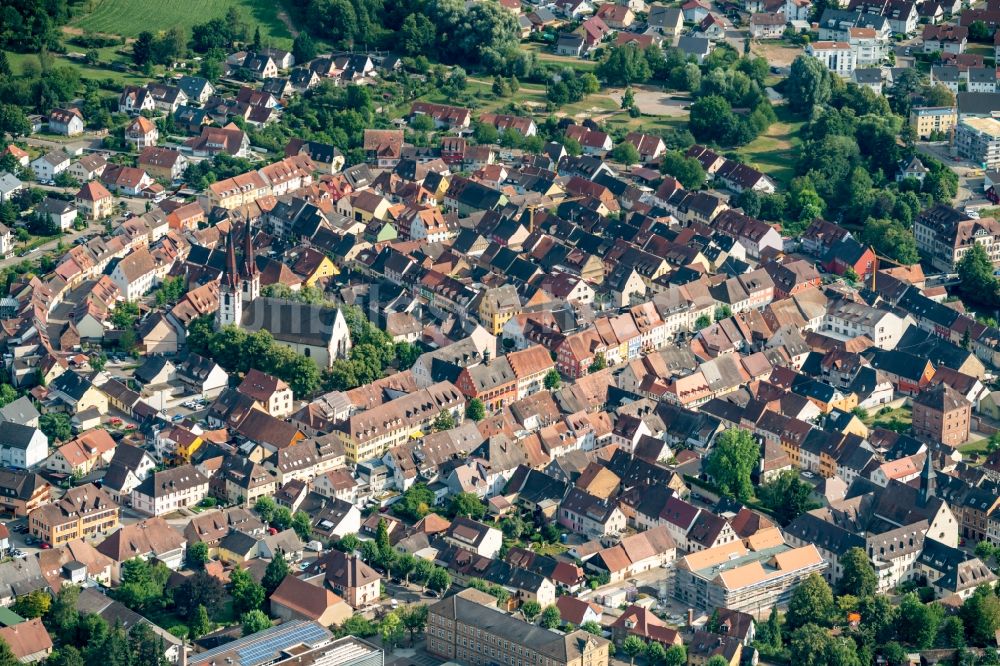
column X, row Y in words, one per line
column 130, row 17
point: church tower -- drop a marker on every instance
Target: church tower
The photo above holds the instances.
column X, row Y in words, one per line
column 230, row 310
column 249, row 275
column 926, row 480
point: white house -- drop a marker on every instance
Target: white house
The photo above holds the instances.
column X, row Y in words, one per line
column 68, row 122
column 22, row 446
column 170, row 490
column 135, row 274
column 838, row 57
column 50, row 165
column 10, row 185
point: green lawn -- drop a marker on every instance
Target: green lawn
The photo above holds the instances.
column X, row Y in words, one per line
column 776, row 151
column 100, row 71
column 975, row 447
column 130, row 17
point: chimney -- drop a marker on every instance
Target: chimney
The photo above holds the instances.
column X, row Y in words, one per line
column 690, row 618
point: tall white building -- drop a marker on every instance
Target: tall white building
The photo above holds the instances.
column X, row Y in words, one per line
column 838, row 57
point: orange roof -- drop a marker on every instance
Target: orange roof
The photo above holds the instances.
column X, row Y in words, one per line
column 93, row 191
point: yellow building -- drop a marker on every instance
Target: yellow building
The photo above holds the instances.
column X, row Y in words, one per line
column 238, row 191
column 497, row 307
column 314, row 266
column 83, row 512
column 928, row 119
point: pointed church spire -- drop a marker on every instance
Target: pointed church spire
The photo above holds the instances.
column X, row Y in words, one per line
column 249, row 261
column 230, row 276
column 927, row 480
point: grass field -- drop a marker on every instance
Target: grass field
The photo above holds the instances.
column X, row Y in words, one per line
column 100, row 71
column 130, row 17
column 774, row 152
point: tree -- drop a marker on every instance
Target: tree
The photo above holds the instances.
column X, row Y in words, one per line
column 7, row 657
column 787, row 496
column 952, row 633
column 13, row 121
column 550, row 618
column 417, row 35
column 625, row 153
column 403, row 566
column 358, row 625
column 281, row 519
column 66, row 655
column 981, row 616
column 975, row 274
column 142, row 584
column 390, row 630
column 530, row 610
column 633, row 646
column 443, row 421
column 256, row 39
column 197, row 556
column 811, row 603
column 414, row 619
column 415, row 503
column 917, row 623
column 201, row 589
column 348, row 543
column 254, row 621
column 750, row 202
column 302, row 525
column 200, row 624
column 475, row 410
column 275, row 572
column 303, row 48
column 624, row 65
column 142, row 49
column 858, row 577
column 265, row 507
column 654, row 653
column 808, row 84
column 598, row 364
column 32, row 605
column 809, row 645
column 716, row 660
column 439, row 580
column 732, row 461
column 675, row 655
column 468, row 505
column 979, row 31
column 247, row 593
column 553, row 380
column 595, row 628
column 712, row 120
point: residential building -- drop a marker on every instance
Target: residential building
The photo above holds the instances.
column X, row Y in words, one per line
column 731, row 576
column 170, row 490
column 838, row 57
column 83, row 512
column 464, row 629
column 142, row 133
column 941, row 414
column 22, row 446
column 68, row 122
column 978, row 140
column 94, row 201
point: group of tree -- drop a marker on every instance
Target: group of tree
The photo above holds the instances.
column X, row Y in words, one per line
column 237, row 351
column 567, row 86
column 732, row 462
column 446, row 30
column 30, row 26
column 380, row 554
column 787, row 496
column 40, row 86
column 205, row 172
column 282, row 518
column 220, row 33
column 977, row 283
column 372, row 352
column 149, row 49
column 86, row 639
column 818, row 629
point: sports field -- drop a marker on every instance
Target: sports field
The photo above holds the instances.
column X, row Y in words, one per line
column 130, row 17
